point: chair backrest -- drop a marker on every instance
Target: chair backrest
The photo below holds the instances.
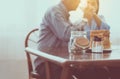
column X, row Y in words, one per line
column 31, row 41
column 32, row 38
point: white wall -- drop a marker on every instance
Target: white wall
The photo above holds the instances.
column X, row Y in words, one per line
column 15, row 20
column 111, row 10
column 17, row 17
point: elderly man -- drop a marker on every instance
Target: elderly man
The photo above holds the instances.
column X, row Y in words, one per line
column 54, row 34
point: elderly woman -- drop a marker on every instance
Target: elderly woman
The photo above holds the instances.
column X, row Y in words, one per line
column 93, row 21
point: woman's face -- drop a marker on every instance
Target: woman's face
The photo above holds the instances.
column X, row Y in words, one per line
column 92, row 4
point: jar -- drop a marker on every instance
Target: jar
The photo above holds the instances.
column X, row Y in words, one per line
column 97, row 45
column 78, row 42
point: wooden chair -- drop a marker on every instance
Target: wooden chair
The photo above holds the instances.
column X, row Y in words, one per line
column 32, row 38
column 31, row 41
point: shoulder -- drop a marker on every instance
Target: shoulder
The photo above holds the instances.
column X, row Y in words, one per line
column 54, row 10
column 101, row 17
column 51, row 9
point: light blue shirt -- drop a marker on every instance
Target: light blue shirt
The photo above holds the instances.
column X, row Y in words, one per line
column 87, row 28
column 54, row 29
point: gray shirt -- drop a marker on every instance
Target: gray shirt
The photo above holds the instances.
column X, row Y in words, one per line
column 54, row 29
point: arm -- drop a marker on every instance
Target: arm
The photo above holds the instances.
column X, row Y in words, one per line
column 97, row 19
column 57, row 21
column 60, row 26
column 103, row 24
column 90, row 13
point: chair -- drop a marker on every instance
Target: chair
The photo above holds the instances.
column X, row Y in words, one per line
column 31, row 41
column 32, row 38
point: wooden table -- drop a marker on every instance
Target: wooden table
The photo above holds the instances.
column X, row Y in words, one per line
column 88, row 59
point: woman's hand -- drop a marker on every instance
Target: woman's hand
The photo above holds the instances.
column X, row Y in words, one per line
column 89, row 11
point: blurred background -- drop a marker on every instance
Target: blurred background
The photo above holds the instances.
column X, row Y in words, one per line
column 17, row 17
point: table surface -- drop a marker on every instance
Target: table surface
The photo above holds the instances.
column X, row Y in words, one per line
column 89, row 59
column 104, row 58
column 107, row 55
column 110, row 57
